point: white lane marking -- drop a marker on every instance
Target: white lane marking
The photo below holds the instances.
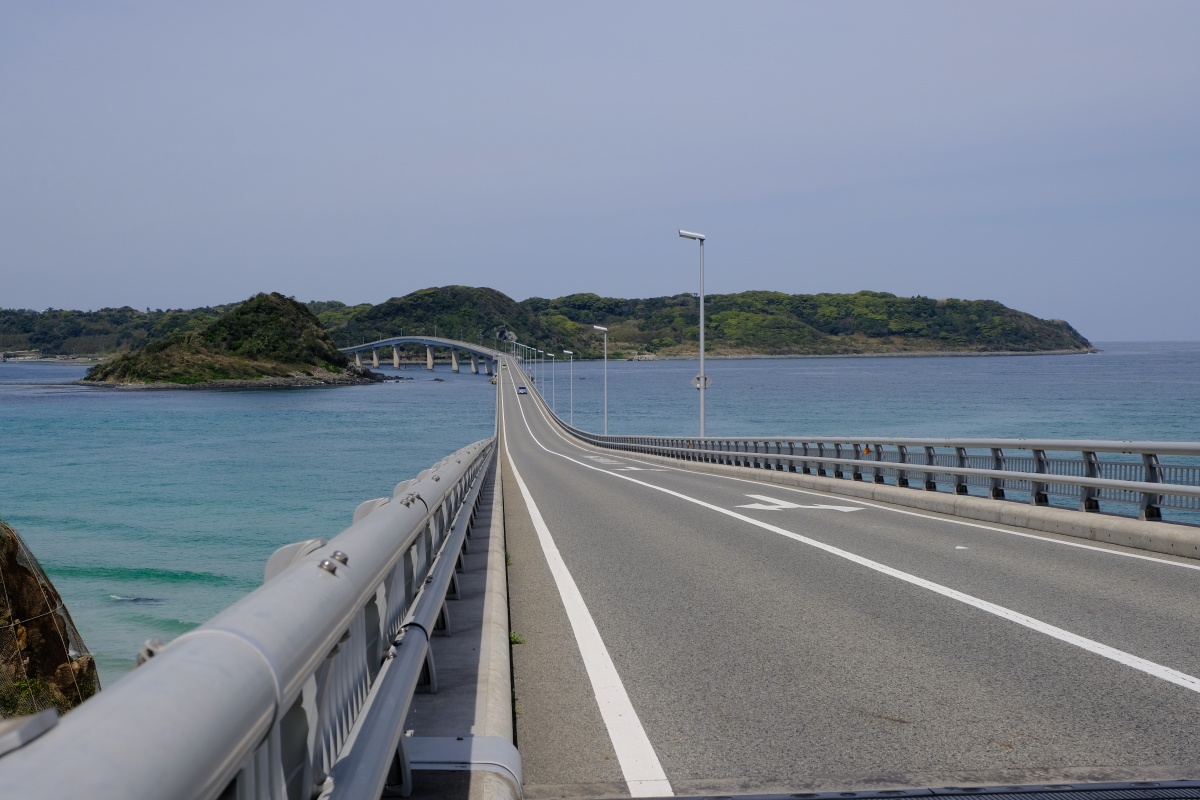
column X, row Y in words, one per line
column 771, row 504
column 639, row 763
column 951, row 520
column 1181, row 679
column 638, row 469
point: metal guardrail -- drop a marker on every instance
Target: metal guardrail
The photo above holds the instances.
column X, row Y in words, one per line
column 299, row 689
column 1083, row 472
column 1126, row 476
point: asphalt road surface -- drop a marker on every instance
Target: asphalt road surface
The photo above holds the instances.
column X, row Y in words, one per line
column 686, row 633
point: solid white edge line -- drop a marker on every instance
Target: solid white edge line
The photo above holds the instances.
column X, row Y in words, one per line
column 639, row 763
column 1181, row 679
column 1041, row 537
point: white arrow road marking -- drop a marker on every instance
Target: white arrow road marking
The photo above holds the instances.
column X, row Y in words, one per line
column 771, row 504
column 638, row 469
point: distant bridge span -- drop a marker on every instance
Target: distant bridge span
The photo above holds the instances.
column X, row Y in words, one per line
column 476, row 352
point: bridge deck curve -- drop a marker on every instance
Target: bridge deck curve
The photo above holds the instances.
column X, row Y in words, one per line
column 429, row 341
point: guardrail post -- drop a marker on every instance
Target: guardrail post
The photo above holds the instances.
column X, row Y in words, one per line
column 837, row 453
column 930, row 460
column 820, row 459
column 1089, row 496
column 1150, row 506
column 1037, row 491
column 877, row 472
column 791, row 456
column 856, row 470
column 902, row 459
column 960, row 481
column 997, row 488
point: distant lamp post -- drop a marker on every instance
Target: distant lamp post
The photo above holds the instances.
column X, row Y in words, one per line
column 571, row 381
column 553, row 383
column 541, row 366
column 701, row 379
column 602, row 328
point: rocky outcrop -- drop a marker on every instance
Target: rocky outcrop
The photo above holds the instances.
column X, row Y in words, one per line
column 266, row 342
column 43, row 661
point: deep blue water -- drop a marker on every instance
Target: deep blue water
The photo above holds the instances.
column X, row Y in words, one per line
column 152, row 511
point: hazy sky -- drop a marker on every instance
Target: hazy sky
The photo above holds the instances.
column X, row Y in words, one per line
column 1044, row 154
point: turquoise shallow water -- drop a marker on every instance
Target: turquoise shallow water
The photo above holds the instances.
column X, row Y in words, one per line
column 152, row 511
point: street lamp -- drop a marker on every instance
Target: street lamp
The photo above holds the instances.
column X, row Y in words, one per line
column 571, row 381
column 701, row 380
column 602, row 328
column 553, row 383
column 541, row 366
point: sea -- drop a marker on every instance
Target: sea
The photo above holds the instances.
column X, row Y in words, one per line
column 151, row 511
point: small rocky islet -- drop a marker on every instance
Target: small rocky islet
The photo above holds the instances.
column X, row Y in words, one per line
column 269, row 341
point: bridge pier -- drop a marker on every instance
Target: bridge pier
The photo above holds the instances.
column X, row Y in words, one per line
column 487, row 366
column 358, row 359
column 375, row 357
column 453, row 360
column 396, row 356
column 428, row 357
column 474, row 365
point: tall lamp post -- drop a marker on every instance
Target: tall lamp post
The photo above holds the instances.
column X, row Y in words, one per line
column 542, row 366
column 553, row 383
column 701, row 379
column 602, row 328
column 571, row 381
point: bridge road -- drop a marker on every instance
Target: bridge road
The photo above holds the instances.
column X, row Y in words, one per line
column 790, row 647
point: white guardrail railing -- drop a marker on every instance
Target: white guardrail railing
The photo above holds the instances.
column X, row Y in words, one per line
column 1129, row 478
column 298, row 690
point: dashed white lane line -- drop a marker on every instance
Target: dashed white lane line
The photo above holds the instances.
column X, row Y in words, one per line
column 1181, row 679
column 639, row 763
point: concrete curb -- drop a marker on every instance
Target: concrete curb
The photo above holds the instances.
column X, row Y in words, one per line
column 494, row 698
column 1156, row 537
column 474, row 702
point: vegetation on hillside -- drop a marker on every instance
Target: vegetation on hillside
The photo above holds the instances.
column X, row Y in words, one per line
column 268, row 336
column 483, row 316
column 773, row 323
column 747, row 323
column 109, row 330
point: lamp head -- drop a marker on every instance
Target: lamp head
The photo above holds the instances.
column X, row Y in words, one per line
column 569, row 352
column 689, row 235
column 600, row 328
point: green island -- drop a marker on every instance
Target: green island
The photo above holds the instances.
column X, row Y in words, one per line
column 242, row 341
column 268, row 340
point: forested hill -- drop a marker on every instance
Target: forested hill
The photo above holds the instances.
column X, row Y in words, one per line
column 747, row 323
